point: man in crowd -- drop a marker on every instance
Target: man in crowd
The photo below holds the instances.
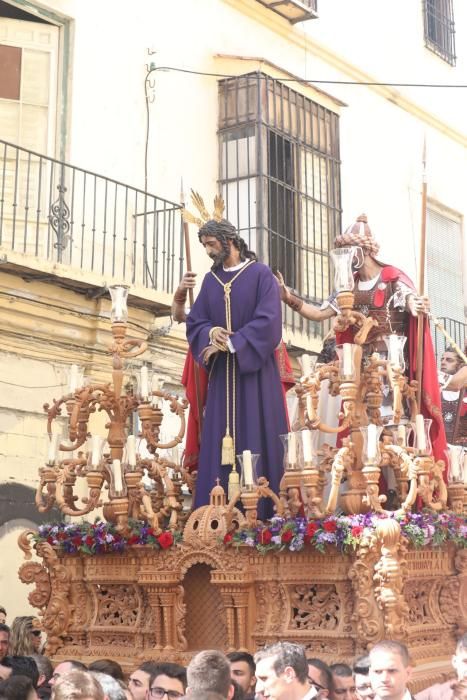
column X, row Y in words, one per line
column 2, row 616
column 320, row 676
column 65, row 667
column 390, row 670
column 282, row 673
column 453, row 401
column 445, row 691
column 4, row 640
column 170, row 680
column 138, row 683
column 343, row 683
column 209, row 671
column 233, row 328
column 242, row 670
column 361, row 669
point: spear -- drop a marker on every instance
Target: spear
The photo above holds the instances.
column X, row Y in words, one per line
column 186, row 235
column 421, row 283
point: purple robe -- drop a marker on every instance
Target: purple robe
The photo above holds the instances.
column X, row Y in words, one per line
column 260, row 407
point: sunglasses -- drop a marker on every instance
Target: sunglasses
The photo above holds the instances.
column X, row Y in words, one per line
column 36, row 633
column 316, row 685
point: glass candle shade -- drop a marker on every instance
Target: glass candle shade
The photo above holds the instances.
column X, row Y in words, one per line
column 395, row 345
column 95, row 445
column 342, row 259
column 248, row 476
column 117, row 486
column 401, row 434
column 52, row 449
column 371, row 447
column 307, row 363
column 130, row 452
column 456, row 463
column 75, row 378
column 291, row 451
column 144, row 382
column 348, row 362
column 119, row 296
column 307, row 446
column 422, row 441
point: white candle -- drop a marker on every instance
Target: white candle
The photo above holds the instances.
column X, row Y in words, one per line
column 455, row 464
column 420, row 430
column 371, row 441
column 53, row 449
column 306, row 365
column 394, row 351
column 175, row 455
column 73, row 382
column 96, row 446
column 347, row 360
column 131, row 450
column 401, row 433
column 117, row 470
column 144, row 382
column 247, row 468
column 292, row 449
column 307, row 446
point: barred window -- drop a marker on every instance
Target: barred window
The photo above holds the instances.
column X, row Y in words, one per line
column 439, row 29
column 280, row 175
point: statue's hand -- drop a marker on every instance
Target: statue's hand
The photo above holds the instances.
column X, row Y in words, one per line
column 417, row 304
column 208, row 353
column 188, row 280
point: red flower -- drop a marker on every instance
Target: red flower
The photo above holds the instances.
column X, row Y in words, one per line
column 165, row 540
column 287, row 536
column 311, row 529
column 50, row 539
column 228, row 538
column 151, row 532
column 76, row 540
column 133, row 539
column 265, row 536
column 89, row 540
column 356, row 531
column 330, row 526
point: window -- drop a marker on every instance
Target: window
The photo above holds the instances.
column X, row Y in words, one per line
column 439, row 29
column 444, row 275
column 280, row 175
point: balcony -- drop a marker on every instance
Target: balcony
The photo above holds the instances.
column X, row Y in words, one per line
column 293, row 10
column 63, row 224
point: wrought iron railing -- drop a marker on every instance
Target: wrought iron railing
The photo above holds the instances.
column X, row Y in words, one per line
column 456, row 329
column 61, row 213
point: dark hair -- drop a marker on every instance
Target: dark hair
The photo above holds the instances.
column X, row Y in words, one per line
column 341, row 670
column 16, row 687
column 108, row 666
column 392, row 647
column 149, row 667
column 238, row 690
column 362, row 665
column 209, row 670
column 44, row 665
column 2, row 610
column 452, row 349
column 171, row 671
column 287, row 654
column 22, row 666
column 325, row 672
column 4, row 628
column 223, row 230
column 234, row 656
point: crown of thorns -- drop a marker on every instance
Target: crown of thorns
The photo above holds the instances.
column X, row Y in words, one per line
column 205, row 216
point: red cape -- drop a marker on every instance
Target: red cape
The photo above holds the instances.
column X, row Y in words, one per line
column 190, row 460
column 431, row 397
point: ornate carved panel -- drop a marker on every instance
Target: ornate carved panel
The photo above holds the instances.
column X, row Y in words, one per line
column 314, row 607
column 116, row 606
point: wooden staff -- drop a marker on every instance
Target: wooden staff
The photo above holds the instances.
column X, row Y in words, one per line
column 421, row 285
column 191, row 297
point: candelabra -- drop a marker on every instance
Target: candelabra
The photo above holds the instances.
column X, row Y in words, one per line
column 114, row 462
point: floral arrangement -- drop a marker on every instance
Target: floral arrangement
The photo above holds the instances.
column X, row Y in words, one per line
column 101, row 537
column 347, row 532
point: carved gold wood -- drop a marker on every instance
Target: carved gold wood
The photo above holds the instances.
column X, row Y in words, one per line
column 166, row 605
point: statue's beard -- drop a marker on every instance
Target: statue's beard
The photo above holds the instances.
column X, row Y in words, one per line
column 218, row 259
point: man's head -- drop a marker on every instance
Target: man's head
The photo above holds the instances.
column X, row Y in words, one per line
column 110, row 686
column 4, row 640
column 320, row 676
column 108, row 666
column 64, row 668
column 79, row 685
column 361, row 669
column 18, row 688
column 459, row 660
column 359, row 234
column 242, row 670
column 138, row 683
column 210, row 671
column 281, row 671
column 2, row 615
column 45, row 668
column 390, row 669
column 20, row 666
column 343, row 684
column 450, row 361
column 170, row 680
column 218, row 239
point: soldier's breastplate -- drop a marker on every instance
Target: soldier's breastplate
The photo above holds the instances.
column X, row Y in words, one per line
column 389, row 320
